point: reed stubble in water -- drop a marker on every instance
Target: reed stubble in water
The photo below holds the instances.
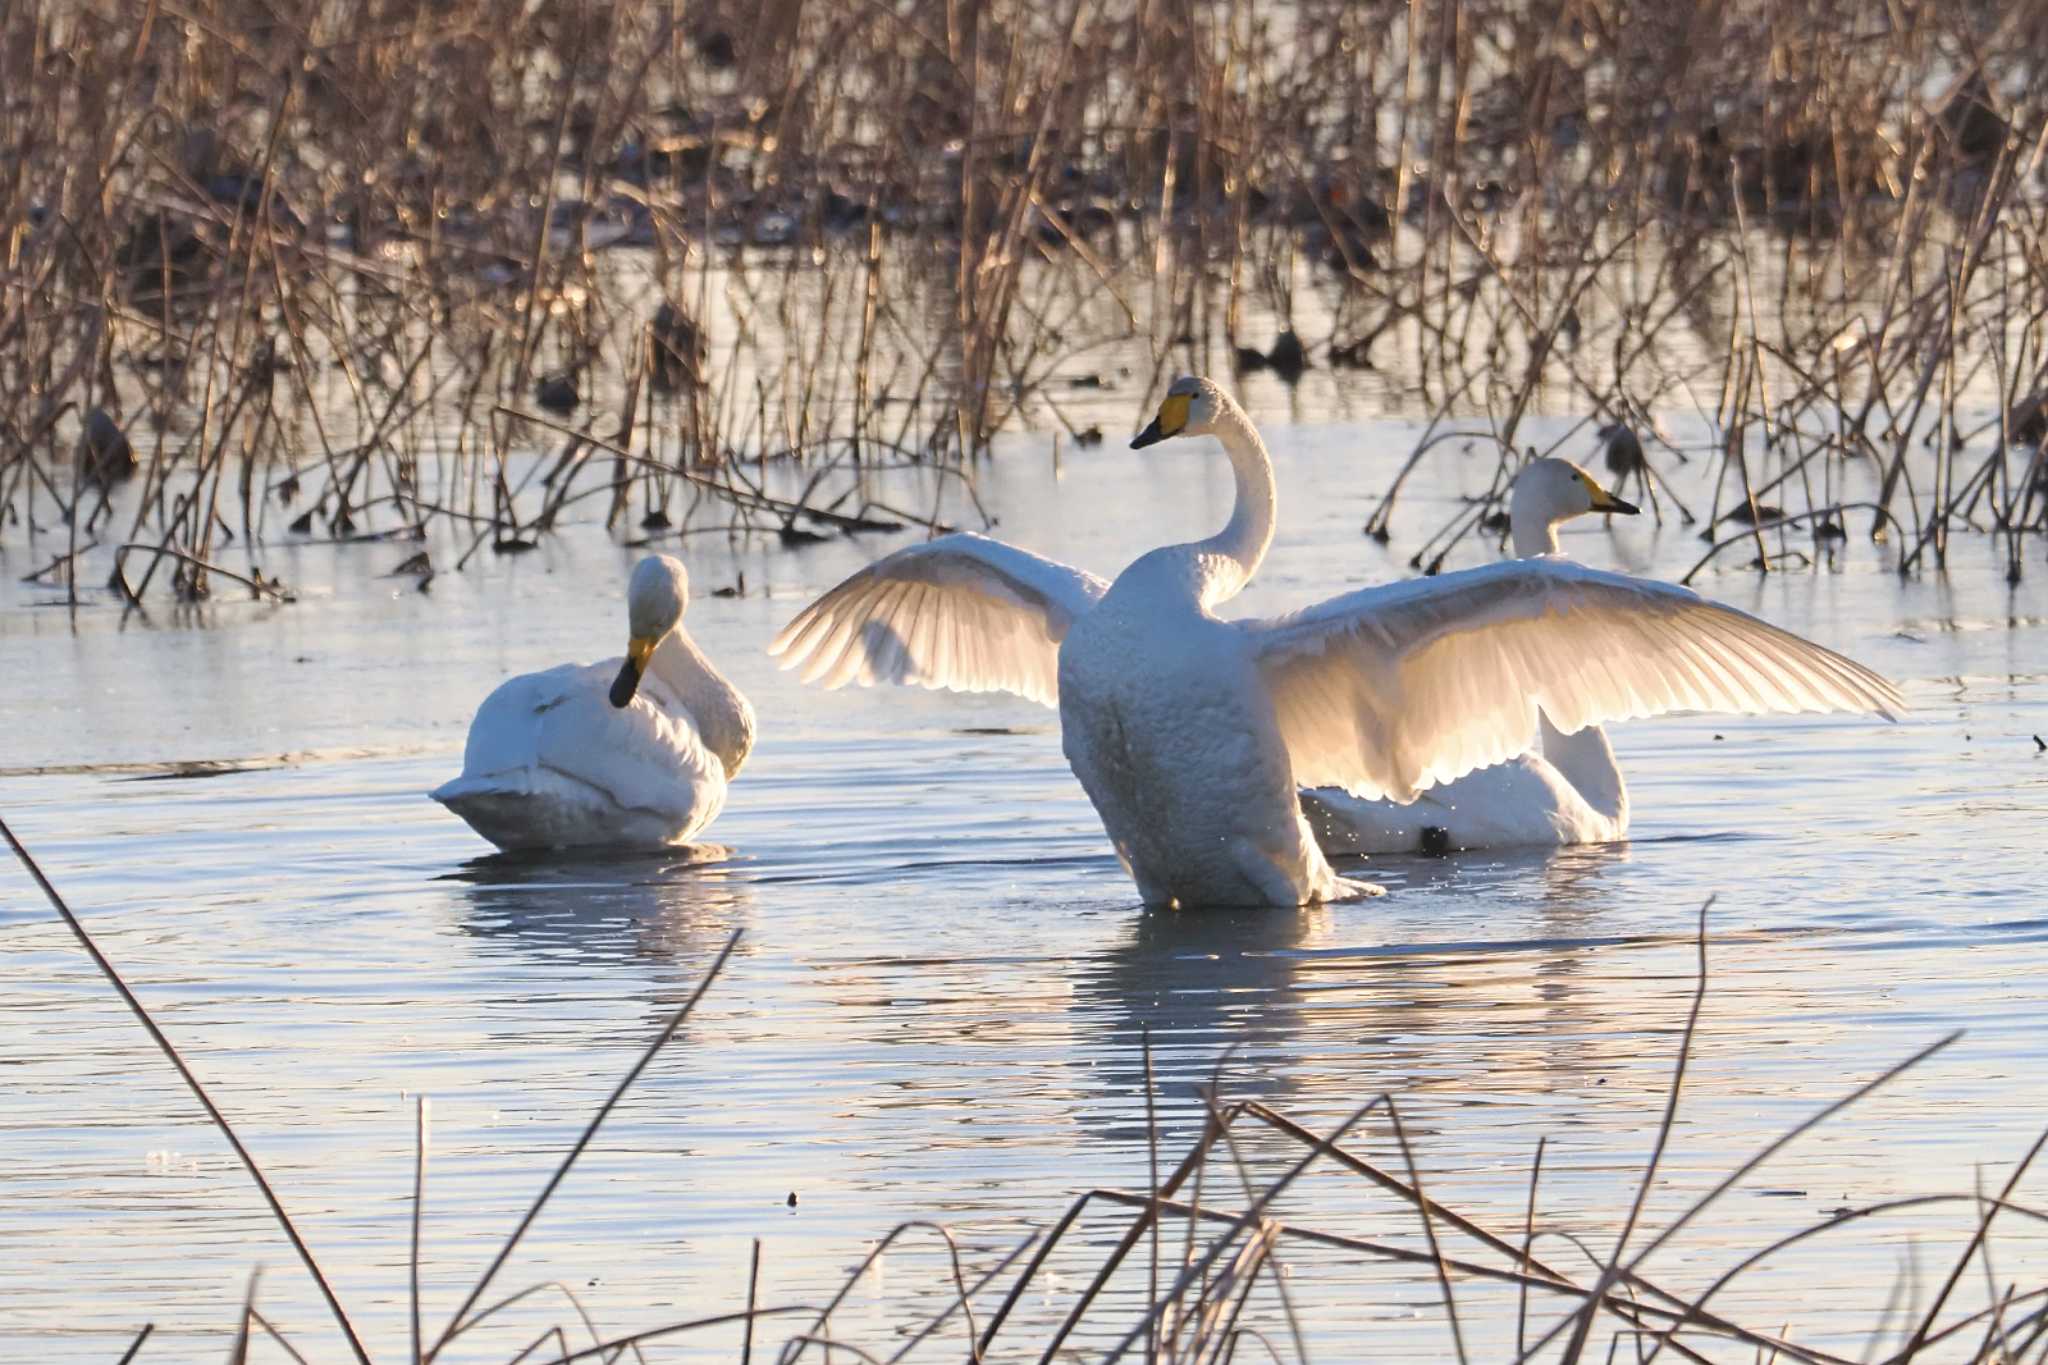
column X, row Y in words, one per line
column 317, row 271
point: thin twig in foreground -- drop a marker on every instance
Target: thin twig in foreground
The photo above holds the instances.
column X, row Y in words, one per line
column 135, row 1346
column 419, row 1192
column 1664, row 1127
column 456, row 1323
column 192, row 1082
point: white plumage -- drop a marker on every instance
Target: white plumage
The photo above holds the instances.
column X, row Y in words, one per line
column 1191, row 734
column 1625, row 646
column 632, row 752
column 962, row 612
column 1392, row 689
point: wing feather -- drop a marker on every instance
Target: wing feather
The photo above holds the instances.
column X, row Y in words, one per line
column 1389, row 690
column 962, row 612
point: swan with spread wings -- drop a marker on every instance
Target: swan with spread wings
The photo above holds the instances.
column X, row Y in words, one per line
column 1567, row 789
column 1192, row 734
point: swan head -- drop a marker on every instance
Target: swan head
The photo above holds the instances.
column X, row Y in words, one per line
column 1551, row 490
column 655, row 598
column 1190, row 408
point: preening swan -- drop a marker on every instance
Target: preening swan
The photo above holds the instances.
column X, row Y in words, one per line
column 632, row 752
column 1568, row 790
column 1192, row 734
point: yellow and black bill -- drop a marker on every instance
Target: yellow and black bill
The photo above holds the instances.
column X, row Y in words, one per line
column 1604, row 501
column 638, row 650
column 1173, row 416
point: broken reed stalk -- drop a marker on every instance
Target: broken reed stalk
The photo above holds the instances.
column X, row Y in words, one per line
column 1426, row 1261
column 135, row 1346
column 464, row 1319
column 1978, row 1242
column 192, row 1082
column 419, row 1195
column 959, row 1282
column 960, row 1303
column 1735, row 1177
column 1422, row 1203
column 1268, row 1260
column 1528, row 1239
column 1696, row 1309
column 753, row 1298
column 1238, row 1225
column 1152, row 1186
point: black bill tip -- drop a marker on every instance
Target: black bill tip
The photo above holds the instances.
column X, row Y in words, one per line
column 1150, row 436
column 625, row 685
column 1627, row 509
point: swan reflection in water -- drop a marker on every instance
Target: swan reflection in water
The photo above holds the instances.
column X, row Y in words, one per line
column 1319, row 1010
column 670, row 908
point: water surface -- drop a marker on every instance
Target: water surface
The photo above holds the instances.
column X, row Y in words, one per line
column 941, row 1001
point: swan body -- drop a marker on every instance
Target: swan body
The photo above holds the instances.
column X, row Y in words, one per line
column 1164, row 721
column 1527, row 802
column 1192, row 734
column 1568, row 790
column 633, row 752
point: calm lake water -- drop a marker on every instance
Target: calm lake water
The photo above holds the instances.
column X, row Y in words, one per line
column 939, row 1003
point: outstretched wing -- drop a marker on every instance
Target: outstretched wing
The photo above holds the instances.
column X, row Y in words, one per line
column 962, row 612
column 1390, row 690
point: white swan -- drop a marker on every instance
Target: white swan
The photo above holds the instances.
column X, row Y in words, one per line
column 1568, row 790
column 1191, row 734
column 632, row 752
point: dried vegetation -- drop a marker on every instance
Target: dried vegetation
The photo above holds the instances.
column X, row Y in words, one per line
column 320, row 270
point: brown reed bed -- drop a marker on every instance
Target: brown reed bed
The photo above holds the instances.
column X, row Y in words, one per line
column 1200, row 1268
column 302, row 269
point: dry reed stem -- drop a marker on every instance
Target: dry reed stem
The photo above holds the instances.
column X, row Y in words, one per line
column 458, row 1321
column 192, row 1082
column 1511, row 201
column 1209, row 1325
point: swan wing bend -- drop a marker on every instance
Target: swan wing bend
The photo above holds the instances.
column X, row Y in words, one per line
column 1392, row 689
column 961, row 612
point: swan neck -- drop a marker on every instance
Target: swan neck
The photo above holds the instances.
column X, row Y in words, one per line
column 724, row 720
column 1533, row 530
column 1249, row 534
